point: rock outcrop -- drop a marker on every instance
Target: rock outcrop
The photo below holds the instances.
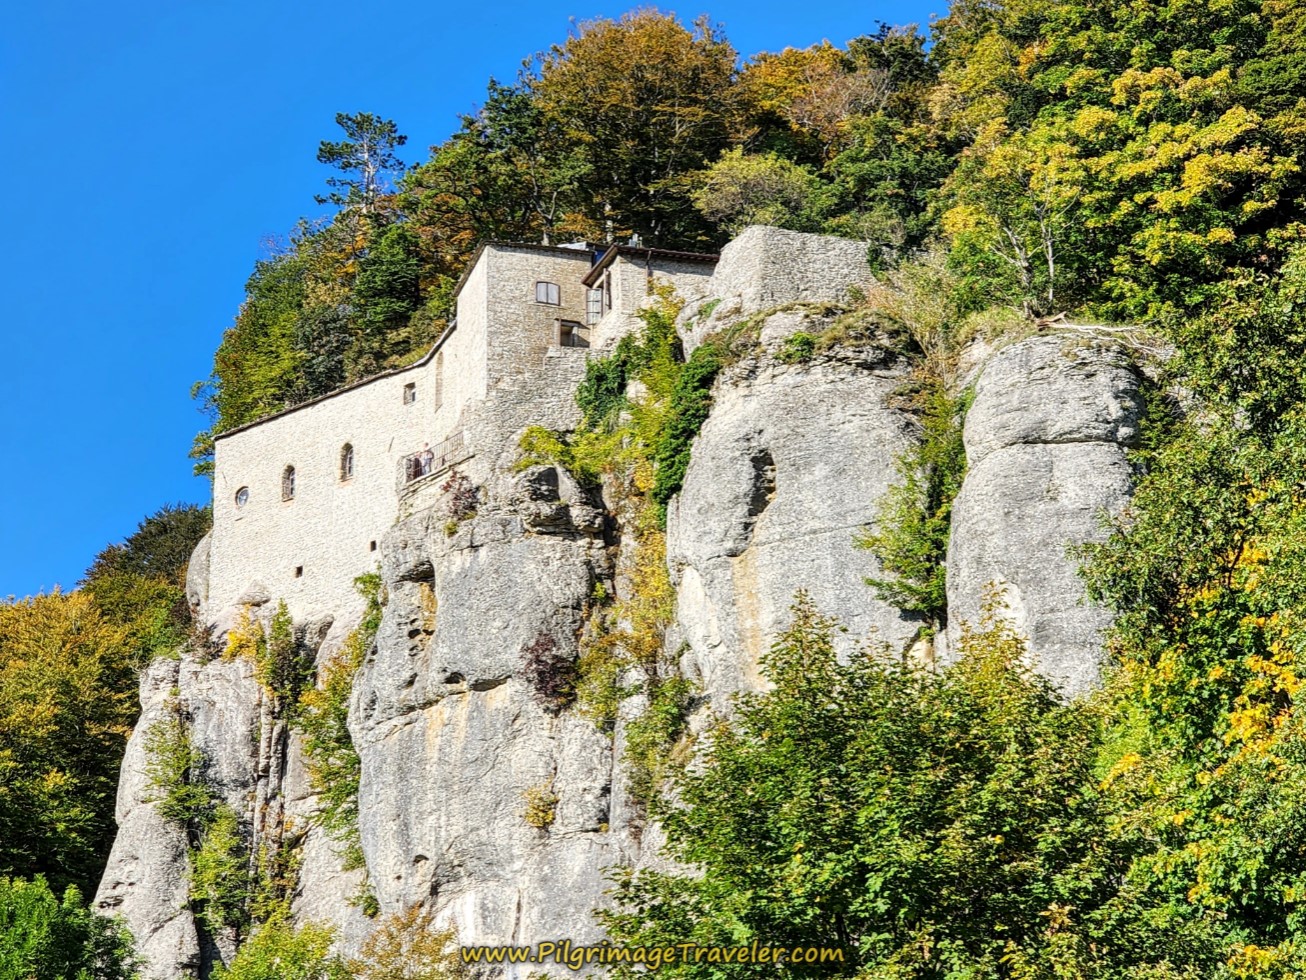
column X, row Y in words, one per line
column 450, row 732
column 765, row 268
column 250, row 763
column 1045, row 450
column 787, row 469
column 145, row 881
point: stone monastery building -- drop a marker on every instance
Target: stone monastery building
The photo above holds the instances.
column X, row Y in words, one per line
column 302, row 498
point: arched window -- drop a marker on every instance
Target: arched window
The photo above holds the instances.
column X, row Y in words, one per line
column 439, row 379
column 548, row 292
column 346, row 462
column 288, row 483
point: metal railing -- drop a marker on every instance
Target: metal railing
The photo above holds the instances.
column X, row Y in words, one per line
column 435, row 459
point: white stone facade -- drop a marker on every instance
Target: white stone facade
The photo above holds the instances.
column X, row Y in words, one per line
column 307, row 550
column 513, row 357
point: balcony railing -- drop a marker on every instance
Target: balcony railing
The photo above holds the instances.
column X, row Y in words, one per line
column 435, row 459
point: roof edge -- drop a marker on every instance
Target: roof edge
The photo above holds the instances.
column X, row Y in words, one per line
column 613, row 251
column 587, row 252
column 422, row 361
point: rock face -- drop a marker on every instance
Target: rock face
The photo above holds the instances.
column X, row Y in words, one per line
column 785, row 472
column 251, row 763
column 145, row 880
column 764, row 268
column 450, row 733
column 1045, row 449
column 197, row 579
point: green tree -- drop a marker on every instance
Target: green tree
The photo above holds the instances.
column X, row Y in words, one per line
column 254, row 368
column 740, row 190
column 387, row 292
column 914, row 518
column 648, row 101
column 886, row 179
column 174, row 768
column 282, row 951
column 159, row 548
column 219, row 874
column 1202, row 760
column 927, row 824
column 140, row 583
column 1119, row 140
column 322, row 338
column 366, row 156
column 67, row 702
column 43, row 935
column 511, row 171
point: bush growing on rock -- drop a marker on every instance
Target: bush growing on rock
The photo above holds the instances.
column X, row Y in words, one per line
column 551, row 673
column 282, row 951
column 541, row 806
column 409, row 946
column 174, row 768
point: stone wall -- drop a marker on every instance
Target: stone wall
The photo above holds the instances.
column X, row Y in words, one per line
column 522, row 330
column 309, row 550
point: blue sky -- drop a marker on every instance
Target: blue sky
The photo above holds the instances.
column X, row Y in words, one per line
column 152, row 148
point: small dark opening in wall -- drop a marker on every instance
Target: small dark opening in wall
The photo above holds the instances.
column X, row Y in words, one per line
column 371, row 546
column 299, row 571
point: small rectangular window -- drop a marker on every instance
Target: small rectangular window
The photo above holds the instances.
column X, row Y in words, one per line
column 548, row 293
column 299, row 571
column 594, row 305
column 410, row 393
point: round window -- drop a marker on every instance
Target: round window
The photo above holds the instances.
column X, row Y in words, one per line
column 242, row 496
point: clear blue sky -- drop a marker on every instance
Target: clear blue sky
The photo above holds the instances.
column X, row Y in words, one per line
column 151, row 148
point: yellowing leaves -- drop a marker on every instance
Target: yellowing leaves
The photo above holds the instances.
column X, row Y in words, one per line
column 1126, row 764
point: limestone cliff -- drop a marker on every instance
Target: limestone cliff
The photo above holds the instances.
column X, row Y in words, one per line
column 791, row 462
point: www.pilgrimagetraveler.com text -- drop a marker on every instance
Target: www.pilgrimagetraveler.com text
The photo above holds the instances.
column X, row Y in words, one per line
column 563, row 953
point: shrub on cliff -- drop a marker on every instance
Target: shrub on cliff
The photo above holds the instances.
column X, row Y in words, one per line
column 282, row 951
column 409, row 945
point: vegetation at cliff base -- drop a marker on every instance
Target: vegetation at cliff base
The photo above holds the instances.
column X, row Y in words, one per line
column 404, row 946
column 46, row 935
column 922, row 822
